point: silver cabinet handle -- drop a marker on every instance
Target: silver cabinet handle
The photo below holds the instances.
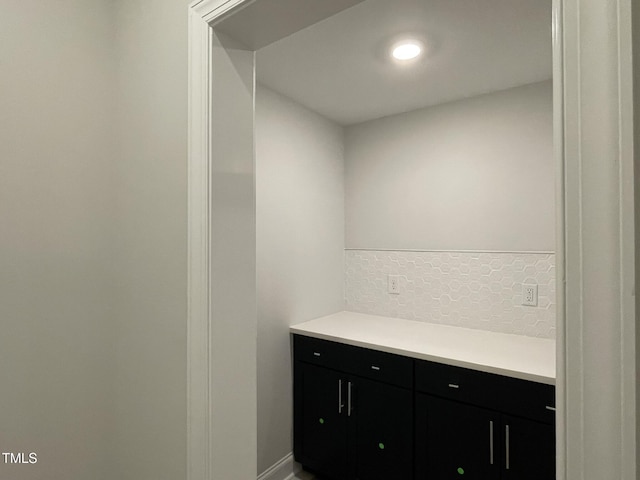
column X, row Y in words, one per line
column 340, row 404
column 506, row 436
column 553, row 409
column 349, row 399
column 373, row 367
column 453, row 385
column 490, row 442
column 316, row 354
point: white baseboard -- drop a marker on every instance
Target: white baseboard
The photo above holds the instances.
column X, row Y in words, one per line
column 285, row 469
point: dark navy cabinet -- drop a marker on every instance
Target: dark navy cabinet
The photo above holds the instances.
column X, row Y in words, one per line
column 320, row 429
column 361, row 414
column 531, row 449
column 477, row 425
column 353, row 411
column 383, row 431
column 455, row 440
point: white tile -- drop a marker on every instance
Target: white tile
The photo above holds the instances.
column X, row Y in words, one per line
column 474, row 290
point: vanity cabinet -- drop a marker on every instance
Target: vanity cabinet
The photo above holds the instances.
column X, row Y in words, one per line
column 353, row 411
column 362, row 414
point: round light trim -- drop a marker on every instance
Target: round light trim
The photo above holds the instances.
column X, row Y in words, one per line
column 406, row 50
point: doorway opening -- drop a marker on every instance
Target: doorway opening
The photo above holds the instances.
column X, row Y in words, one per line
column 220, row 15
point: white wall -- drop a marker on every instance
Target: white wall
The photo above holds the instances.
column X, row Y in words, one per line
column 93, row 213
column 636, row 136
column 231, row 261
column 300, row 241
column 56, row 219
column 151, row 229
column 476, row 174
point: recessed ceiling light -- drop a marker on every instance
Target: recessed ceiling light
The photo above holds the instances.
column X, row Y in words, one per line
column 406, row 50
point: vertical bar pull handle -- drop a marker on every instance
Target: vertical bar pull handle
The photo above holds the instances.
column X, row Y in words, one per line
column 490, row 442
column 349, row 399
column 506, row 436
column 340, row 404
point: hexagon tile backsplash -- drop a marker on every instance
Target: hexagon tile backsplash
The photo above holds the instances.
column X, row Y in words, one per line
column 466, row 289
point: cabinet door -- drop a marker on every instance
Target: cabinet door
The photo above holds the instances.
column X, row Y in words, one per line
column 529, row 449
column 456, row 441
column 320, row 420
column 383, row 431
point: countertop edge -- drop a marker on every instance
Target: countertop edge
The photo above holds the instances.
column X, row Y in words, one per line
column 425, row 356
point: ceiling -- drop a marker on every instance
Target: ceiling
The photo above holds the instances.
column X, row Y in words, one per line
column 340, row 67
column 261, row 23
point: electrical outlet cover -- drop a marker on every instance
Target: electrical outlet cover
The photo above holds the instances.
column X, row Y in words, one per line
column 393, row 284
column 530, row 295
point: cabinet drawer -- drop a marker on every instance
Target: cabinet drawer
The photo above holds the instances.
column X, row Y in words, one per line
column 456, row 383
column 384, row 367
column 528, row 399
column 510, row 395
column 320, row 352
column 381, row 366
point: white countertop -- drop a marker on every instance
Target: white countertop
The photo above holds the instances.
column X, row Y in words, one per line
column 517, row 356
